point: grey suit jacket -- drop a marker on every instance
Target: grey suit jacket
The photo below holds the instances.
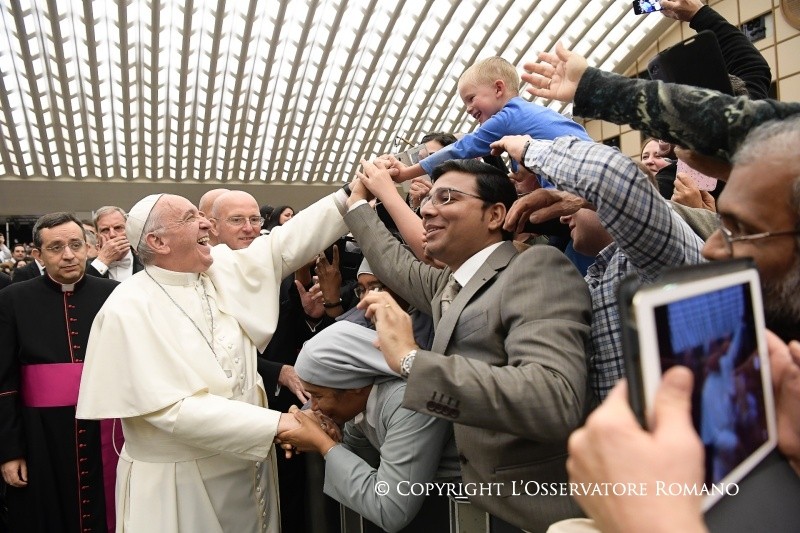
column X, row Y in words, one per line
column 393, row 445
column 507, row 366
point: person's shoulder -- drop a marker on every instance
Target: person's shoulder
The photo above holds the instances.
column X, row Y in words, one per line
column 519, row 105
column 23, row 290
column 389, row 395
column 534, row 257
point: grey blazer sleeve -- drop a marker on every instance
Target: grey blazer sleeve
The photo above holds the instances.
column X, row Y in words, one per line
column 411, row 279
column 525, row 373
column 409, row 454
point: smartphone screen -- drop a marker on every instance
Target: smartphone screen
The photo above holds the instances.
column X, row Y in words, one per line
column 643, row 7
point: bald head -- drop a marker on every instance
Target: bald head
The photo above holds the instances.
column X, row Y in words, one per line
column 208, row 199
column 232, row 217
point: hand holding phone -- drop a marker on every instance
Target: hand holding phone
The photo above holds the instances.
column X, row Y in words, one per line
column 643, row 7
column 703, row 182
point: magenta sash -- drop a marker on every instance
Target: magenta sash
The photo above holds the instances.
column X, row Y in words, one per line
column 51, row 384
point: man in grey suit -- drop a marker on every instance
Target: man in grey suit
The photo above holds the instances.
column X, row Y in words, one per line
column 507, row 364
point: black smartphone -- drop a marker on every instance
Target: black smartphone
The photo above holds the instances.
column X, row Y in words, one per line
column 643, row 7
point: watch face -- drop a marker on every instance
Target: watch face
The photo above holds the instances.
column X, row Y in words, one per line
column 406, row 362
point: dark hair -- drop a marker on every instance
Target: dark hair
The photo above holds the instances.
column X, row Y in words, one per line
column 266, row 211
column 440, row 137
column 275, row 216
column 52, row 220
column 492, row 184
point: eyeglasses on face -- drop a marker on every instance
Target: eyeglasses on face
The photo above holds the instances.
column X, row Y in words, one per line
column 238, row 222
column 75, row 246
column 729, row 238
column 361, row 291
column 443, row 196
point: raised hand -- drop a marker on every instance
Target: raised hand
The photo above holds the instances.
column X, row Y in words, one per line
column 555, row 76
column 311, row 300
column 683, row 10
column 419, row 188
column 393, row 324
column 329, row 276
column 377, row 178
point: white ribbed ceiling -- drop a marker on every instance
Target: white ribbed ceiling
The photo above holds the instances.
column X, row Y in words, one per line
column 294, row 91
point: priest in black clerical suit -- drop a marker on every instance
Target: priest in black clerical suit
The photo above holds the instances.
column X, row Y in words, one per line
column 60, row 471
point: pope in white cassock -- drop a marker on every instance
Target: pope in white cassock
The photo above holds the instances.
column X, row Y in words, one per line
column 173, row 354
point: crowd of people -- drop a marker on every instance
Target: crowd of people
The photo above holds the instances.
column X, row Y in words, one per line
column 176, row 367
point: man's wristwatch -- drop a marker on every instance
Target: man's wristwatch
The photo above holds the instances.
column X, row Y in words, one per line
column 406, row 362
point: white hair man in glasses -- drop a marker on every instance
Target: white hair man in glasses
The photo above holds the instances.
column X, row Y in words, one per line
column 174, row 356
column 59, row 470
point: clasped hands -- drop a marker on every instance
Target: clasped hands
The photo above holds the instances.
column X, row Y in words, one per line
column 312, row 431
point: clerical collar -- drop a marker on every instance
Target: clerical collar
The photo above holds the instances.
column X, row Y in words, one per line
column 170, row 277
column 64, row 287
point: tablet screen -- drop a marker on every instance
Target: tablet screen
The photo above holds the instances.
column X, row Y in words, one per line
column 713, row 327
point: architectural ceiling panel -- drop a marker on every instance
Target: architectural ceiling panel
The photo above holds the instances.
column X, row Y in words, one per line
column 293, row 91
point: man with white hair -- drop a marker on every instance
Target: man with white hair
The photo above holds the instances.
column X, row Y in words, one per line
column 115, row 259
column 173, row 355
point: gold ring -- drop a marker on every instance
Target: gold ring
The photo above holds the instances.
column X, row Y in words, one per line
column 387, row 306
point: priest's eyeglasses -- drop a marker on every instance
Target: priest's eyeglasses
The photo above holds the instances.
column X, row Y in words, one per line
column 729, row 238
column 238, row 222
column 75, row 246
column 443, row 196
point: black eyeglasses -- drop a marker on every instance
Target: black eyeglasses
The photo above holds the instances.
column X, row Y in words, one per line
column 729, row 238
column 443, row 196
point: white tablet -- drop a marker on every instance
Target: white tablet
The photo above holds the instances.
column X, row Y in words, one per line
column 710, row 319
